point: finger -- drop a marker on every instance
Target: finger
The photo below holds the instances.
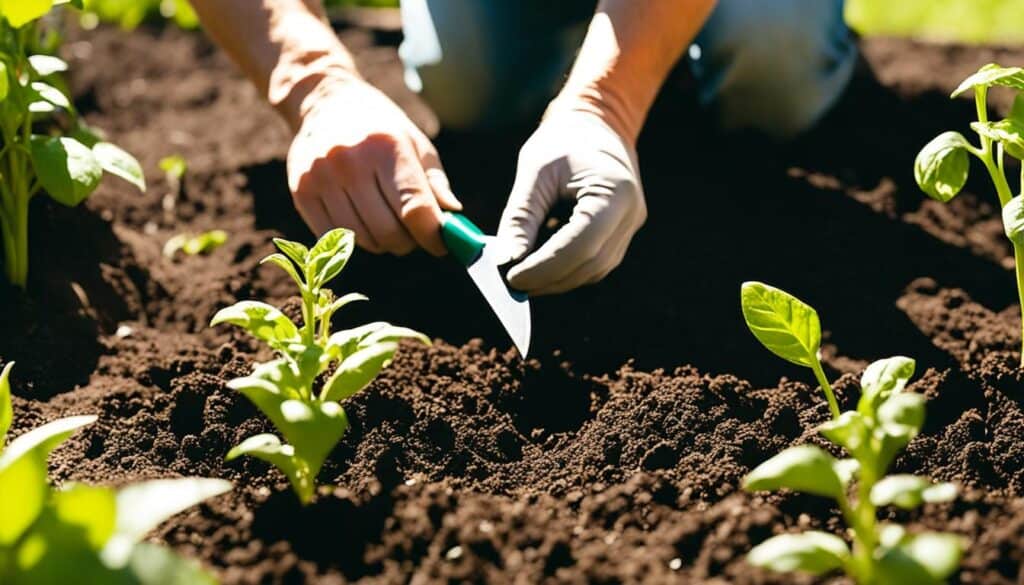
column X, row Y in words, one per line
column 308, row 203
column 533, row 194
column 436, row 176
column 343, row 214
column 370, row 202
column 591, row 271
column 595, row 221
column 407, row 191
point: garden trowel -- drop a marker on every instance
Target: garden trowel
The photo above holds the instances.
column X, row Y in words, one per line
column 481, row 255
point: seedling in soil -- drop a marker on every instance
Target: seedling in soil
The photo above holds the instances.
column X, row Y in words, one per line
column 193, row 245
column 788, row 327
column 942, row 166
column 887, row 418
column 81, row 533
column 44, row 146
column 311, row 419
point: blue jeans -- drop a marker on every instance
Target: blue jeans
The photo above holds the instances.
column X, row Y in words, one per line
column 771, row 65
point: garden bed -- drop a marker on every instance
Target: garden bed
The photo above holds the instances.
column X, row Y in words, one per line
column 603, row 458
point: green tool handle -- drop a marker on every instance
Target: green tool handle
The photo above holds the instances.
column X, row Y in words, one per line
column 464, row 240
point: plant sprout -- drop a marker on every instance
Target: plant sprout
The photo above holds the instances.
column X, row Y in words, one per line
column 82, row 533
column 311, row 419
column 66, row 161
column 942, row 166
column 193, row 245
column 887, row 418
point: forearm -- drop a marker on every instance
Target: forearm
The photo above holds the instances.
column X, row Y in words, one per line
column 285, row 47
column 629, row 50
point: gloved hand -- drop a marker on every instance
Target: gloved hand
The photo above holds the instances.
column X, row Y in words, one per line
column 359, row 162
column 574, row 155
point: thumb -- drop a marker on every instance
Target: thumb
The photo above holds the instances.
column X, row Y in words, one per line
column 533, row 194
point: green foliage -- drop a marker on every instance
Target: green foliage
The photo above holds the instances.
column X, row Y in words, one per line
column 887, row 418
column 81, row 533
column 978, row 21
column 131, row 13
column 942, row 167
column 174, row 167
column 788, row 327
column 44, row 147
column 193, row 245
column 311, row 422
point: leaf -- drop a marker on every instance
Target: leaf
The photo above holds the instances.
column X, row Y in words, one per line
column 357, row 371
column 143, row 506
column 294, row 250
column 20, row 12
column 1009, row 133
column 269, row 448
column 6, row 410
column 804, row 469
column 784, row 324
column 942, row 165
column 992, row 74
column 810, row 552
column 119, row 163
column 157, row 565
column 1013, row 220
column 43, row 439
column 286, row 264
column 393, row 333
column 174, row 166
column 900, row 419
column 882, row 379
column 333, row 306
column 923, row 559
column 5, row 82
column 910, row 491
column 66, row 168
column 46, row 65
column 26, row 477
column 1017, row 109
column 91, row 508
column 51, row 94
column 330, row 255
column 205, row 242
column 846, row 469
column 850, row 431
column 344, row 343
column 262, row 321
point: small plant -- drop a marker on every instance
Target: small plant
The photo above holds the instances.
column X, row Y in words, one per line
column 193, row 245
column 81, row 533
column 942, row 166
column 65, row 160
column 887, row 418
column 311, row 420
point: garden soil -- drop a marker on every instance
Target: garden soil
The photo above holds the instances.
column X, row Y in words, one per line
column 612, row 455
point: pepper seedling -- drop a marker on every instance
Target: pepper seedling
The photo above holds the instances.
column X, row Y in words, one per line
column 942, row 166
column 66, row 160
column 311, row 420
column 81, row 533
column 193, row 245
column 887, row 418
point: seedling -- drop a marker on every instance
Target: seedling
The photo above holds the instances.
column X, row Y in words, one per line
column 887, row 418
column 942, row 166
column 311, row 419
column 82, row 533
column 66, row 161
column 193, row 245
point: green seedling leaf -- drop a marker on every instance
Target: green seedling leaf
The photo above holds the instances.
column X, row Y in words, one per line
column 328, row 306
column 1009, row 133
column 811, row 552
column 157, row 565
column 803, row 469
column 942, row 165
column 900, row 419
column 393, row 333
column 46, row 65
column 43, row 439
column 50, row 94
column 174, row 167
column 357, row 371
column 119, row 163
column 846, row 469
column 330, row 255
column 262, row 321
column 287, row 265
column 290, row 377
column 26, row 477
column 990, row 75
column 925, row 559
column 784, row 324
column 269, row 448
column 6, row 410
column 193, row 245
column 850, row 431
column 5, row 82
column 1013, row 220
column 91, row 508
column 882, row 379
column 21, row 12
column 141, row 507
column 910, row 491
column 345, row 343
column 66, row 168
column 1017, row 109
column 294, row 250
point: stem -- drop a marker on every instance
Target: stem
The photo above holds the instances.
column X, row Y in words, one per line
column 308, row 316
column 823, row 381
column 1018, row 258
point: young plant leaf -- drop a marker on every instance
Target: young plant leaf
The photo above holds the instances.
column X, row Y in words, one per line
column 119, row 163
column 910, row 491
column 203, row 243
column 330, row 255
column 1009, row 133
column 925, row 559
column 882, row 379
column 26, row 477
column 21, row 12
column 66, row 168
column 46, row 65
column 6, row 410
column 269, row 448
column 42, row 440
column 282, row 261
column 157, row 565
column 900, row 418
column 92, row 509
column 784, row 324
column 849, row 431
column 174, row 167
column 261, row 320
column 805, row 468
column 942, row 165
column 5, row 84
column 1013, row 220
column 294, row 250
column 992, row 74
column 50, row 94
column 357, row 371
column 811, row 552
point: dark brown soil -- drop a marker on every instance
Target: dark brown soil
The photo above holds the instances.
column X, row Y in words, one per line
column 602, row 459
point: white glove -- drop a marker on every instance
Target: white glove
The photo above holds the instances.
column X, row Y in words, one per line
column 573, row 155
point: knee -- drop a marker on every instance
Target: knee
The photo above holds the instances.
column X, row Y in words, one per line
column 775, row 66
